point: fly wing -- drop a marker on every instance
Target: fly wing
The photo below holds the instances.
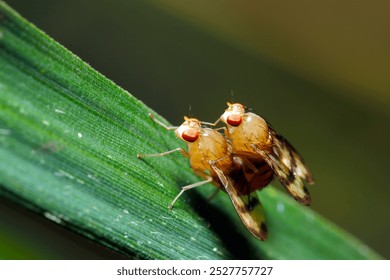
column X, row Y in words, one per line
column 289, row 167
column 248, row 207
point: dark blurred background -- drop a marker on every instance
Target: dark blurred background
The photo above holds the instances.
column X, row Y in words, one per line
column 318, row 71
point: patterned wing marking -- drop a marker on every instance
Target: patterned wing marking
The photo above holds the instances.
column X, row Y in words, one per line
column 288, row 167
column 248, row 208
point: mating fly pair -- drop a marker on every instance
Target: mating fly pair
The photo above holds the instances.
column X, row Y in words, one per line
column 241, row 161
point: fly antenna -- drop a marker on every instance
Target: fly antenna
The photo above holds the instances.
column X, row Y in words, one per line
column 232, row 96
column 189, row 110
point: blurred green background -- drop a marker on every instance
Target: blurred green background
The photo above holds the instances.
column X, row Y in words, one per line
column 318, row 71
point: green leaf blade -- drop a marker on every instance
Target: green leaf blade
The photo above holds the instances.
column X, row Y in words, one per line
column 68, row 144
column 72, row 155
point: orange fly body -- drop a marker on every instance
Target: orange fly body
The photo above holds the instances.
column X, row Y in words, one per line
column 253, row 140
column 211, row 158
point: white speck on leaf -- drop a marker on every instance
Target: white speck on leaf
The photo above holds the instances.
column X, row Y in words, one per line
column 4, row 131
column 125, row 211
column 280, row 207
column 166, row 218
column 53, row 217
column 79, row 135
column 58, row 111
column 80, row 181
column 93, row 177
column 62, row 173
column 22, row 111
column 45, row 122
column 218, row 251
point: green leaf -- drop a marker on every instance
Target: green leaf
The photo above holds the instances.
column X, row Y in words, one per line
column 68, row 144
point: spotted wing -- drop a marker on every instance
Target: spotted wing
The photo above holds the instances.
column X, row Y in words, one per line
column 289, row 167
column 248, row 208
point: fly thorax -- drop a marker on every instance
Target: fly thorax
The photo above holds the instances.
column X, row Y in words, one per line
column 255, row 129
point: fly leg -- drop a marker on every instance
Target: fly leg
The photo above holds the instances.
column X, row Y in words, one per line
column 211, row 124
column 161, row 124
column 185, row 188
column 185, row 153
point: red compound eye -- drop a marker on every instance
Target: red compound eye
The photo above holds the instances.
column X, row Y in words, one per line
column 234, row 119
column 190, row 135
